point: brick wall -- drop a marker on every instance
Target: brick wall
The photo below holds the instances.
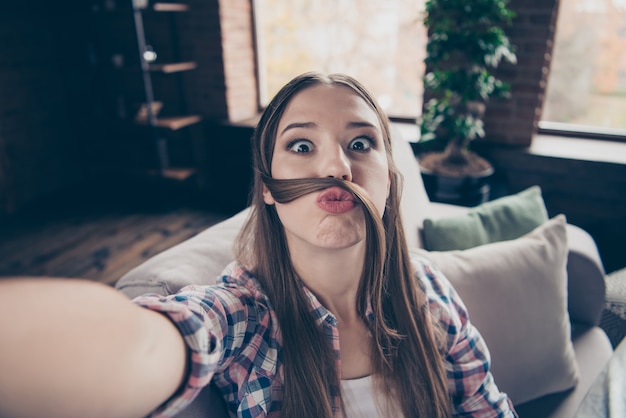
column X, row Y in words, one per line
column 514, row 121
column 239, row 58
column 219, row 37
column 200, row 34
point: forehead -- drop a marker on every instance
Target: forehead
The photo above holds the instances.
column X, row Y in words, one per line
column 328, row 104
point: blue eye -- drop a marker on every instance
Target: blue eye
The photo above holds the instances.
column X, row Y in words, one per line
column 300, row 146
column 361, row 143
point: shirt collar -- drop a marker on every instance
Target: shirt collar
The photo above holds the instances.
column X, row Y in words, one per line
column 321, row 314
column 318, row 311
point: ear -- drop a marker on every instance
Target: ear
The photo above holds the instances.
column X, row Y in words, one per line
column 267, row 196
column 388, row 183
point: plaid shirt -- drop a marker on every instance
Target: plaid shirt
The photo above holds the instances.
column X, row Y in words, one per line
column 234, row 339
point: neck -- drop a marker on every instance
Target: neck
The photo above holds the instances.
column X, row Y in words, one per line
column 333, row 275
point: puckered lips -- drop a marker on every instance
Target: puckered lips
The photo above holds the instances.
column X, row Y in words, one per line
column 336, row 200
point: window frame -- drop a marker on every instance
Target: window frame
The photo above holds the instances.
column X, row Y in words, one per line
column 581, row 131
column 565, row 129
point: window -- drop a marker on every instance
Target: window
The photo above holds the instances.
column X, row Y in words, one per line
column 380, row 43
column 586, row 91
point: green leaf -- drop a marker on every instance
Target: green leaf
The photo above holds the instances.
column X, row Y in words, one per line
column 467, row 42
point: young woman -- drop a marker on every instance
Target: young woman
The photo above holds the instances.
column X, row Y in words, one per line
column 323, row 314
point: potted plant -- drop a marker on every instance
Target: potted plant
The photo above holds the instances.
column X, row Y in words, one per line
column 466, row 43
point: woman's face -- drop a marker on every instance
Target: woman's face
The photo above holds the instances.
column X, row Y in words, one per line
column 329, row 131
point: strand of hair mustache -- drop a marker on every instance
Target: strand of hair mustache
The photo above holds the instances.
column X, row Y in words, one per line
column 288, row 190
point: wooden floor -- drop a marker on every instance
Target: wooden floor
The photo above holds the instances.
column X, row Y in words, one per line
column 94, row 241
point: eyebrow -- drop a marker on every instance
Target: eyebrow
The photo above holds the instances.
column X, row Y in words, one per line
column 298, row 125
column 361, row 124
column 357, row 124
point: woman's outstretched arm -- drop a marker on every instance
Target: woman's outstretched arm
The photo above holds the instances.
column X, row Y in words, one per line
column 73, row 348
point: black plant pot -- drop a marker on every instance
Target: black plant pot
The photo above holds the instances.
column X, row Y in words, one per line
column 465, row 191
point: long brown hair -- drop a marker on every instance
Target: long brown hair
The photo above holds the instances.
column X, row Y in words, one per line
column 407, row 359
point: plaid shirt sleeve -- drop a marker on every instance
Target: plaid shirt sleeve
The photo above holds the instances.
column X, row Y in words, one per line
column 470, row 382
column 211, row 323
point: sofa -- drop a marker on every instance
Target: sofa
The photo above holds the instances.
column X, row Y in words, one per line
column 537, row 299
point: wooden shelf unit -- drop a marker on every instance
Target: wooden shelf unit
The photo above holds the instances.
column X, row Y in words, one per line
column 160, row 125
column 173, row 67
column 173, row 123
column 170, row 7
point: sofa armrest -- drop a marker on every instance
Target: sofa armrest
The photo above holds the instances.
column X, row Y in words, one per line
column 585, row 272
column 197, row 261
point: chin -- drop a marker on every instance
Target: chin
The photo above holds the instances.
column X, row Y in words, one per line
column 339, row 238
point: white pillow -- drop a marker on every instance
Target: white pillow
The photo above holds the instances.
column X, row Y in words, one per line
column 516, row 295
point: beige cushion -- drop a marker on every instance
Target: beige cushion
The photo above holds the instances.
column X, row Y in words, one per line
column 516, row 295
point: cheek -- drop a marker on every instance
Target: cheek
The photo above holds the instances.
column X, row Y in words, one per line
column 292, row 169
column 379, row 187
column 297, row 213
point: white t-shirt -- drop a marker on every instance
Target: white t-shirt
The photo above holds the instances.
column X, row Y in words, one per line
column 359, row 398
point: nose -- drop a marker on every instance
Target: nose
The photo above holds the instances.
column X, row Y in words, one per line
column 336, row 164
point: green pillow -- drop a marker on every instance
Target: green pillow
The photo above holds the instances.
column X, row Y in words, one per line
column 502, row 219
